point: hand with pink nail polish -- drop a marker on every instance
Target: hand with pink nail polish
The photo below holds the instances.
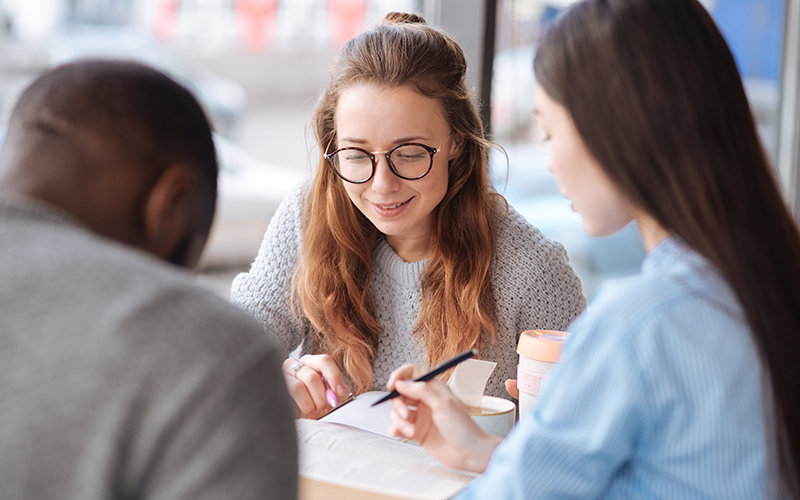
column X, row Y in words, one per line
column 330, row 396
column 315, row 383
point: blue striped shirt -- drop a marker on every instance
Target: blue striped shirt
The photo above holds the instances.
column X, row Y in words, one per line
column 657, row 396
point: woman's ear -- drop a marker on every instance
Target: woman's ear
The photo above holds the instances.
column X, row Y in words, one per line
column 456, row 145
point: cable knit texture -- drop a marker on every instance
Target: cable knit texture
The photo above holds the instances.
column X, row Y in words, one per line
column 535, row 288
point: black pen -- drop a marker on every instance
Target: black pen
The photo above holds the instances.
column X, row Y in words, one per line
column 436, row 371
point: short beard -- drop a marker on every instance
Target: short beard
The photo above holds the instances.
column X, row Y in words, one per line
column 180, row 256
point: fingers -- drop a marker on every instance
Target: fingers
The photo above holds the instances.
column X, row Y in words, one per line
column 302, row 398
column 433, row 393
column 404, row 412
column 304, row 379
column 406, row 372
column 417, row 396
column 409, row 420
column 312, row 380
column 511, row 388
column 325, row 365
column 405, row 409
column 403, row 419
column 431, row 415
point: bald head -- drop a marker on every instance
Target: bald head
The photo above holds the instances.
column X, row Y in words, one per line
column 100, row 139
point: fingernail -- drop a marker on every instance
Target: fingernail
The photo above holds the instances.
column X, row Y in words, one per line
column 331, row 398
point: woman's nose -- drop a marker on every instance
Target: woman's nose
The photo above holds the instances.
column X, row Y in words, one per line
column 384, row 181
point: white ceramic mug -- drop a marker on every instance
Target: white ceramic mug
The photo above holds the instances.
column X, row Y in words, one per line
column 495, row 415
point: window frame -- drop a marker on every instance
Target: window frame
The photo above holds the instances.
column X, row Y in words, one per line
column 473, row 23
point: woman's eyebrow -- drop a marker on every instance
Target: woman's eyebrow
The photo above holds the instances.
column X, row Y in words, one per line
column 353, row 140
column 412, row 138
column 401, row 140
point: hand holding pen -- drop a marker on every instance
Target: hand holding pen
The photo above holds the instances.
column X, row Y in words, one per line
column 315, row 384
column 432, row 416
column 443, row 367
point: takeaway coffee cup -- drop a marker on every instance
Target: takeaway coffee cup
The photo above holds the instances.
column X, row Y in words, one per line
column 538, row 351
column 494, row 415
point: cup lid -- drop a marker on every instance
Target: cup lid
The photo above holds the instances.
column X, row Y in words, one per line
column 544, row 345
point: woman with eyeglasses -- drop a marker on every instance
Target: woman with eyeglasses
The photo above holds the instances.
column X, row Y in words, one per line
column 400, row 250
column 682, row 381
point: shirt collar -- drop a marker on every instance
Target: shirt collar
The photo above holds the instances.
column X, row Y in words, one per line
column 669, row 253
column 18, row 205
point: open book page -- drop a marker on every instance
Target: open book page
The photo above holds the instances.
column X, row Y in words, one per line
column 361, row 460
column 360, row 414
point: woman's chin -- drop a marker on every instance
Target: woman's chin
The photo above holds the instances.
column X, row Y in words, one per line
column 598, row 230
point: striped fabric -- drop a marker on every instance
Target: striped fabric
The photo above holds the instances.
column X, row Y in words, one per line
column 657, row 396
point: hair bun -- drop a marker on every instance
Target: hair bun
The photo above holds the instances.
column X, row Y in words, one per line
column 404, row 18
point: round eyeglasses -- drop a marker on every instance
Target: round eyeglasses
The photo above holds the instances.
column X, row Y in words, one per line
column 409, row 161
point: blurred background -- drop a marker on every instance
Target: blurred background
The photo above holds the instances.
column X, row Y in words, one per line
column 257, row 66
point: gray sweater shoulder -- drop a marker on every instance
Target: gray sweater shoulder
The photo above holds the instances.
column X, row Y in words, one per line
column 532, row 276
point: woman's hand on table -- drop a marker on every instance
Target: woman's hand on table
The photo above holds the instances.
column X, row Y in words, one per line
column 306, row 380
column 430, row 414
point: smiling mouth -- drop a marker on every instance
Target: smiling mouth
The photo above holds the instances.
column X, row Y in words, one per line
column 390, row 207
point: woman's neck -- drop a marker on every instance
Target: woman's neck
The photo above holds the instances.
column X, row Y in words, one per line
column 652, row 232
column 410, row 249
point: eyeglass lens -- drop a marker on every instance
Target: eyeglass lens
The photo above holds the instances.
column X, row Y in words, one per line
column 410, row 161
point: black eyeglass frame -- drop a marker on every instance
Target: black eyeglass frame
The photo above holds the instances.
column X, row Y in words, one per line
column 387, row 155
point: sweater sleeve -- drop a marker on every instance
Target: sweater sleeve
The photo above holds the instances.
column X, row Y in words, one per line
column 264, row 291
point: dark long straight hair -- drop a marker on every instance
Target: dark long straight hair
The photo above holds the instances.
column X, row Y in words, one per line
column 655, row 94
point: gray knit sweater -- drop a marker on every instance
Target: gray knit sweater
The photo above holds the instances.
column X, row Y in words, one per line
column 120, row 378
column 535, row 288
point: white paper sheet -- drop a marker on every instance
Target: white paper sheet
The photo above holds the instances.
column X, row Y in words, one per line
column 468, row 380
column 359, row 414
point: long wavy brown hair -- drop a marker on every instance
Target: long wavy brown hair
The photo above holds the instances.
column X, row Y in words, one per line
column 654, row 92
column 331, row 282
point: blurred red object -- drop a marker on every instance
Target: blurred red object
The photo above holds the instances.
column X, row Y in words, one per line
column 257, row 21
column 166, row 14
column 347, row 18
